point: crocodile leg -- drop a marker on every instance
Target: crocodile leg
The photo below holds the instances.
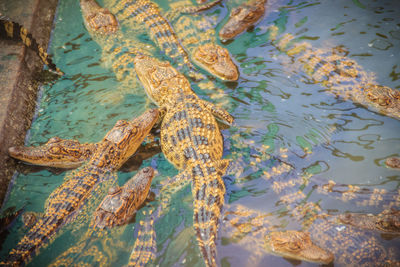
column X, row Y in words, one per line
column 218, row 112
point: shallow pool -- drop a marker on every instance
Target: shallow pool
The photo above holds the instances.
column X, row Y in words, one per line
column 281, row 115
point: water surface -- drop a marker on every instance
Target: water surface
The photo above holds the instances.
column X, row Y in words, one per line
column 278, row 112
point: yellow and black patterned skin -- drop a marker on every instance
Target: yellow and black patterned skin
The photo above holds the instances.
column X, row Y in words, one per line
column 14, row 31
column 57, row 152
column 241, row 18
column 341, row 75
column 116, row 209
column 82, row 185
column 144, row 250
column 192, row 142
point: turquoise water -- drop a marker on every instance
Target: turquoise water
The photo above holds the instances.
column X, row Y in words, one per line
column 278, row 111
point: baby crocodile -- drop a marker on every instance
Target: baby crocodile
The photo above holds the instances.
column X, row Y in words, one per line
column 388, row 221
column 343, row 76
column 241, row 18
column 192, row 142
column 116, row 209
column 212, row 58
column 13, row 30
column 85, row 184
column 56, row 152
column 118, row 51
column 121, row 203
column 197, row 35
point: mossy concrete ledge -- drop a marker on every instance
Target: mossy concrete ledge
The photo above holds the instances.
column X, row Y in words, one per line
column 18, row 87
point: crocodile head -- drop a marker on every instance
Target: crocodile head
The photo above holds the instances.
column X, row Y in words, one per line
column 296, row 245
column 386, row 99
column 121, row 203
column 217, row 61
column 97, row 19
column 241, row 18
column 56, row 152
column 387, row 221
column 160, row 79
column 122, row 141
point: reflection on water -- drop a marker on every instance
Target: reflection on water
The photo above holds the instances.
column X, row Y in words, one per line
column 288, row 130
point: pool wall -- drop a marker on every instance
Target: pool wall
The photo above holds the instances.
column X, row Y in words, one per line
column 18, row 87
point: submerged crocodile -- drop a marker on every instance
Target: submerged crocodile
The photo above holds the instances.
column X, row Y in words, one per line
column 388, row 221
column 192, row 142
column 117, row 209
column 118, row 51
column 393, row 162
column 241, row 18
column 209, row 56
column 341, row 75
column 296, row 245
column 351, row 245
column 294, row 186
column 86, row 184
column 14, row 31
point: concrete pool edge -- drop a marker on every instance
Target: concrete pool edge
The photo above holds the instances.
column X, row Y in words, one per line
column 19, row 88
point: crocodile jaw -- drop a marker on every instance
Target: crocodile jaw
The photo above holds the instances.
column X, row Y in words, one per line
column 56, row 152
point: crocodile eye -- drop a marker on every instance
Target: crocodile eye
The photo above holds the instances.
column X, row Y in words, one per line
column 125, row 195
column 113, row 190
column 236, row 11
column 249, row 17
column 55, row 150
column 54, row 139
column 294, row 246
column 121, row 123
column 210, row 58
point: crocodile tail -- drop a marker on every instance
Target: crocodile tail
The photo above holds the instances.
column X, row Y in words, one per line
column 14, row 31
column 145, row 247
column 208, row 191
column 31, row 242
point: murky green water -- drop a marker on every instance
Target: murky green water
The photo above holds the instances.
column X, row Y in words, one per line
column 276, row 108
